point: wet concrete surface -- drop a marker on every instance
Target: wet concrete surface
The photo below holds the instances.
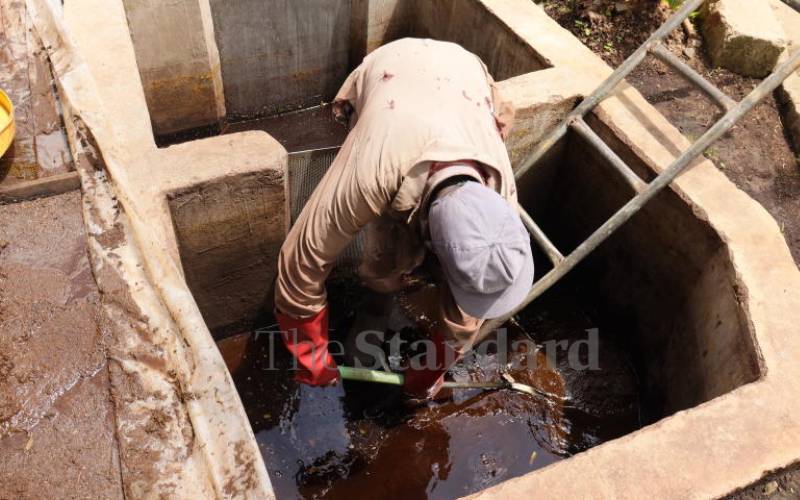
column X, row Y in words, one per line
column 311, row 128
column 360, row 440
column 57, row 433
column 40, row 146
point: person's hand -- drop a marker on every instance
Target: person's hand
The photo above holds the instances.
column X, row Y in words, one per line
column 341, row 112
column 425, row 381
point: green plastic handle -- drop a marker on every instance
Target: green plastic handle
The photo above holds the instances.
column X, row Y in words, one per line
column 365, row 375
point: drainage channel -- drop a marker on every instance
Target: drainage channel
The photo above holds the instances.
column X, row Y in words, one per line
column 665, row 321
column 340, row 441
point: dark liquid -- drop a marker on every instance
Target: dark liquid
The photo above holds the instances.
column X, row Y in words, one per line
column 361, row 440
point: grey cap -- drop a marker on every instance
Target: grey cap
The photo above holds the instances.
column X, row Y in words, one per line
column 484, row 249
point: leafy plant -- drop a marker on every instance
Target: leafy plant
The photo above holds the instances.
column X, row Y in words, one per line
column 584, row 27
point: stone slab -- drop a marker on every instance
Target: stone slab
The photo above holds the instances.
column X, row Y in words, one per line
column 789, row 92
column 743, row 36
column 46, row 186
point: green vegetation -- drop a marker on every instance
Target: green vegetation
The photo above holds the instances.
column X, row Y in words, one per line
column 675, row 4
column 584, row 27
column 712, row 153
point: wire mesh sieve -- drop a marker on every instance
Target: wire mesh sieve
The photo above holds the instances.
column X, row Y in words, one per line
column 306, row 169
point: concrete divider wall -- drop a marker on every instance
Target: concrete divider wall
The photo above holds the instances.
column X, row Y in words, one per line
column 466, row 22
column 164, row 356
column 178, row 63
column 280, row 55
column 229, row 234
column 375, row 22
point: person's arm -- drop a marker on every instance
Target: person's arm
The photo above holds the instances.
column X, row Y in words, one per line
column 344, row 201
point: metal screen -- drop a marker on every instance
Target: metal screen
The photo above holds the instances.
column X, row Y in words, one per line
column 306, row 169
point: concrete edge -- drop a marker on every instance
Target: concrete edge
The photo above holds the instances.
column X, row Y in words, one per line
column 788, row 93
column 196, row 163
column 217, row 417
column 789, row 97
column 46, row 186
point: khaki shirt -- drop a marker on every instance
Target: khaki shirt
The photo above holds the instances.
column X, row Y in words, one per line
column 414, row 102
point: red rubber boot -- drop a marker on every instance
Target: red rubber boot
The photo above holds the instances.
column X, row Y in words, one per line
column 307, row 340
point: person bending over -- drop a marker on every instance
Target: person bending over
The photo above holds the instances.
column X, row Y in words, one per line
column 423, row 168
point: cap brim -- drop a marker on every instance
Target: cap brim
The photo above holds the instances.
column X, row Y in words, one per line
column 487, row 306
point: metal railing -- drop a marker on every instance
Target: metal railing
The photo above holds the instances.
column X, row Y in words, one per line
column 645, row 191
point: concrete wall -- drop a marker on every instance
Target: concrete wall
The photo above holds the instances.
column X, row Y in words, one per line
column 279, row 55
column 163, row 350
column 375, row 22
column 276, row 56
column 471, row 24
column 178, row 63
column 666, row 271
column 541, row 100
column 466, row 22
column 229, row 233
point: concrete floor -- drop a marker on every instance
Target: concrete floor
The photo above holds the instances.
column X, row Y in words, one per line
column 57, row 432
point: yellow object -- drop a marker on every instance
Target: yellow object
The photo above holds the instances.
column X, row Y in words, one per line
column 7, row 128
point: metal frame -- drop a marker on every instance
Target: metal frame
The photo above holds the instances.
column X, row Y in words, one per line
column 645, row 192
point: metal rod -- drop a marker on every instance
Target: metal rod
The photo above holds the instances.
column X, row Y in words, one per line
column 491, row 386
column 475, row 385
column 606, row 152
column 663, row 180
column 390, row 378
column 795, row 4
column 608, row 85
column 540, row 238
column 695, row 78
